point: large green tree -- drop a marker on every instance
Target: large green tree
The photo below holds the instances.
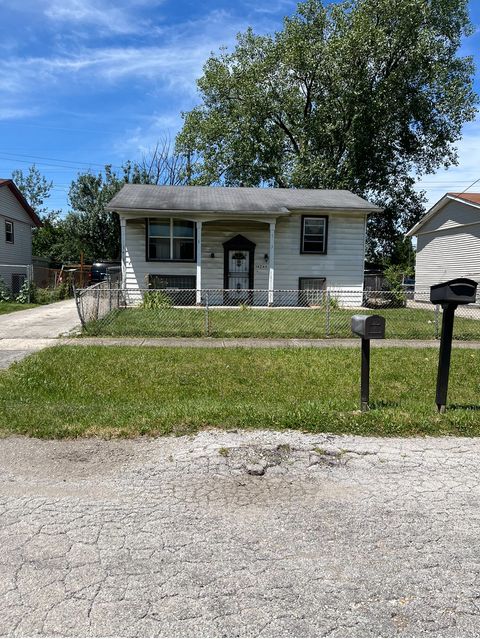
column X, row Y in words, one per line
column 366, row 95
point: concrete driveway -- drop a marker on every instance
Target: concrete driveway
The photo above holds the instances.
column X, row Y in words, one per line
column 24, row 332
column 240, row 534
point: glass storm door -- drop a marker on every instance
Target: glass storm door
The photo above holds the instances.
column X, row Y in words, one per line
column 238, row 274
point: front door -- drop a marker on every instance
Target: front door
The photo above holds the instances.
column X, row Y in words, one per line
column 238, row 270
column 238, row 274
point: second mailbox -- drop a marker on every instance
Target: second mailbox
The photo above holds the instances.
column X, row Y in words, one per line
column 458, row 291
column 369, row 326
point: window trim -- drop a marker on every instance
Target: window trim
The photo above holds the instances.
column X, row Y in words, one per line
column 302, row 235
column 12, row 241
column 169, row 261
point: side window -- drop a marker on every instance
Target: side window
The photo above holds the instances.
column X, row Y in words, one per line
column 9, row 237
column 314, row 234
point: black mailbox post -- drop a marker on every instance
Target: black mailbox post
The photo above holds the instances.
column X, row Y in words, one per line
column 367, row 327
column 449, row 294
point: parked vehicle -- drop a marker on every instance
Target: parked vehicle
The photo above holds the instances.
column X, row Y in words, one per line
column 101, row 271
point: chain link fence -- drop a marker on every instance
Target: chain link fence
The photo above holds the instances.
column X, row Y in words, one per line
column 106, row 309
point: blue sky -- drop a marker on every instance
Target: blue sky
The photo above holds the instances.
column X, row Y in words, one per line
column 89, row 82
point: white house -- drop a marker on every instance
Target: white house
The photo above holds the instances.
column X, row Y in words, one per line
column 16, row 221
column 448, row 240
column 241, row 239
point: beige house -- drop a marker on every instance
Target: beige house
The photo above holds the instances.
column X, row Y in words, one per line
column 448, row 240
column 16, row 221
column 241, row 239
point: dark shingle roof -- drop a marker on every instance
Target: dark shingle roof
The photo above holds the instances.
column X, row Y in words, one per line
column 146, row 197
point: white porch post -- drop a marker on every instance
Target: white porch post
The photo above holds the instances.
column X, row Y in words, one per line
column 271, row 264
column 199, row 263
column 123, row 250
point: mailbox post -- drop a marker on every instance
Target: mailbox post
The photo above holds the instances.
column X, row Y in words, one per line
column 450, row 295
column 367, row 327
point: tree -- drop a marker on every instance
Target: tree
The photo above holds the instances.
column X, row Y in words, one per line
column 366, row 95
column 37, row 190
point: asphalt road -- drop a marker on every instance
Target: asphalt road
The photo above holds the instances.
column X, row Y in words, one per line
column 252, row 534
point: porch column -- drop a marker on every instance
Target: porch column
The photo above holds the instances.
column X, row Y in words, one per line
column 271, row 264
column 123, row 250
column 199, row 263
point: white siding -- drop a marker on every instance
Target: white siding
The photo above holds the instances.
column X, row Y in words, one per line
column 448, row 246
column 20, row 252
column 342, row 266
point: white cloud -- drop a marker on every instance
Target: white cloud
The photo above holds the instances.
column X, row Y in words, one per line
column 171, row 67
column 107, row 16
column 14, row 113
column 175, row 65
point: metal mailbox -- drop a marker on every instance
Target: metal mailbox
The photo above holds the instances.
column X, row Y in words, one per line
column 458, row 291
column 369, row 326
column 449, row 294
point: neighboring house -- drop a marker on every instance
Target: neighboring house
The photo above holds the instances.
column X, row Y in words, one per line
column 448, row 240
column 200, row 237
column 16, row 221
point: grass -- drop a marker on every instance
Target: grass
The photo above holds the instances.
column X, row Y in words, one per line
column 401, row 323
column 72, row 391
column 11, row 307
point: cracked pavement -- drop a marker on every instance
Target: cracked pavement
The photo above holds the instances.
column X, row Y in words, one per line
column 240, row 534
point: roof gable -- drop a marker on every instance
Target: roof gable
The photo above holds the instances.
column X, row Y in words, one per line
column 472, row 200
column 10, row 184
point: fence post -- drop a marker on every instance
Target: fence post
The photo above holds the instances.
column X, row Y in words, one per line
column 327, row 314
column 437, row 314
column 207, row 316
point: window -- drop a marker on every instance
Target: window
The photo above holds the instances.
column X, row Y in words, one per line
column 18, row 280
column 311, row 291
column 177, row 297
column 9, row 232
column 172, row 281
column 171, row 240
column 314, row 234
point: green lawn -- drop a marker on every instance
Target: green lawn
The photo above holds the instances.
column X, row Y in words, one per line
column 11, row 307
column 401, row 323
column 71, row 391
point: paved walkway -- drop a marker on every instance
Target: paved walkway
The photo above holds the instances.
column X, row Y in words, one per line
column 253, row 534
column 13, row 349
column 24, row 332
column 211, row 342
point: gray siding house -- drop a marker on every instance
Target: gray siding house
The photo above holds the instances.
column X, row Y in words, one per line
column 241, row 239
column 448, row 240
column 16, row 221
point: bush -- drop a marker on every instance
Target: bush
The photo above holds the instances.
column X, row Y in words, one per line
column 25, row 293
column 5, row 295
column 49, row 295
column 155, row 300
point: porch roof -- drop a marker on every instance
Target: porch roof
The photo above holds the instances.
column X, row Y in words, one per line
column 215, row 199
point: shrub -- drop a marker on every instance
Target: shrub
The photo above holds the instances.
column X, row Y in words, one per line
column 5, row 295
column 155, row 300
column 25, row 293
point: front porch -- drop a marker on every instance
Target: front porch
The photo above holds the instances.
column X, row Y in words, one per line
column 236, row 255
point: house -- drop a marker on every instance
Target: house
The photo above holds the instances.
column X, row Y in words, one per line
column 241, row 239
column 16, row 221
column 448, row 241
